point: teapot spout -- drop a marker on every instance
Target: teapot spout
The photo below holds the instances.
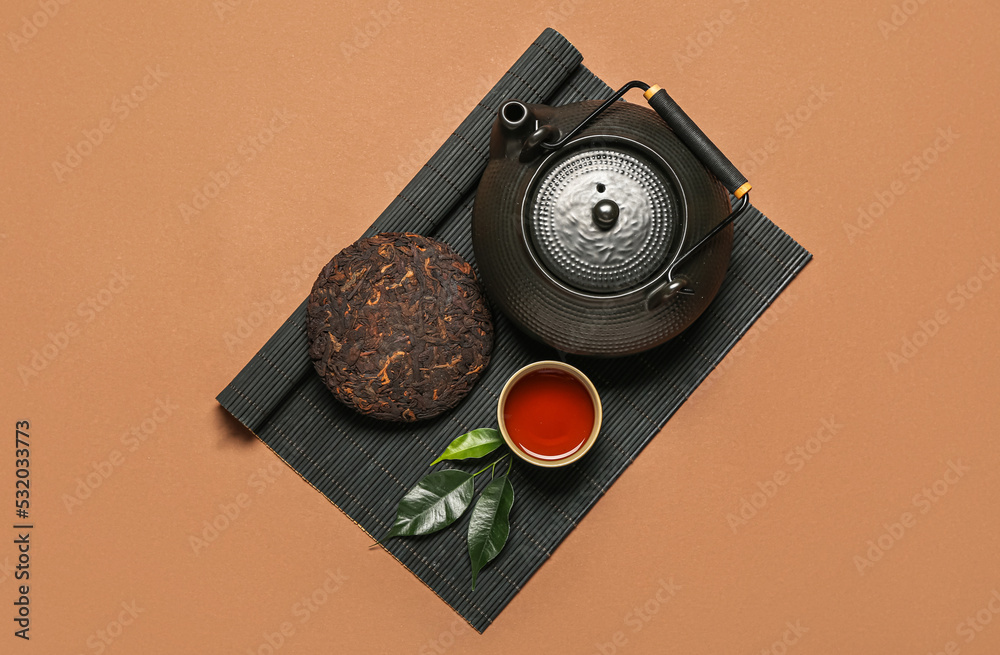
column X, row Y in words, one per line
column 516, row 119
column 519, row 129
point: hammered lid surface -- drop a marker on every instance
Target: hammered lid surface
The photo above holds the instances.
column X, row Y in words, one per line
column 602, row 219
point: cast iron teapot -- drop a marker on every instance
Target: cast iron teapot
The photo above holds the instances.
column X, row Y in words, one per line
column 604, row 228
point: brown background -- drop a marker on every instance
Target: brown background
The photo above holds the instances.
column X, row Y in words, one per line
column 203, row 294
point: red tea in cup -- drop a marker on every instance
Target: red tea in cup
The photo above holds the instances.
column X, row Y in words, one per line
column 549, row 414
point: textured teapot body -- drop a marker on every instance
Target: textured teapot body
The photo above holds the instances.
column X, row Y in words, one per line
column 551, row 287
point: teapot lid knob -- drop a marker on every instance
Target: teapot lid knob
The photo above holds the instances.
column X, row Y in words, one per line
column 605, row 213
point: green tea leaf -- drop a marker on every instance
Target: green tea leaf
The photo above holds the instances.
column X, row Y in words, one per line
column 434, row 503
column 472, row 444
column 489, row 524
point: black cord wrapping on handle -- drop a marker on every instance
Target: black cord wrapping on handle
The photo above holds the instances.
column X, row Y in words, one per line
column 696, row 140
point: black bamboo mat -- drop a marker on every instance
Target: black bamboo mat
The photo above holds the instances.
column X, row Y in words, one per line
column 364, row 466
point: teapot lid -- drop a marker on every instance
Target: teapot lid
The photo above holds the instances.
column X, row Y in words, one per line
column 602, row 219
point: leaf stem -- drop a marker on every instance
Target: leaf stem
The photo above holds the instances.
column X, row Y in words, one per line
column 497, row 461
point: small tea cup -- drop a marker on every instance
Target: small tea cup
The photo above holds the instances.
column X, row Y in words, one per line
column 580, row 451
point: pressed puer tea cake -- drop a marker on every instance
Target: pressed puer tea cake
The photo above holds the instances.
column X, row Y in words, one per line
column 398, row 327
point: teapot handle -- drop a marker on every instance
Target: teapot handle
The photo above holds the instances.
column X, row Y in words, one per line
column 686, row 130
column 696, row 141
